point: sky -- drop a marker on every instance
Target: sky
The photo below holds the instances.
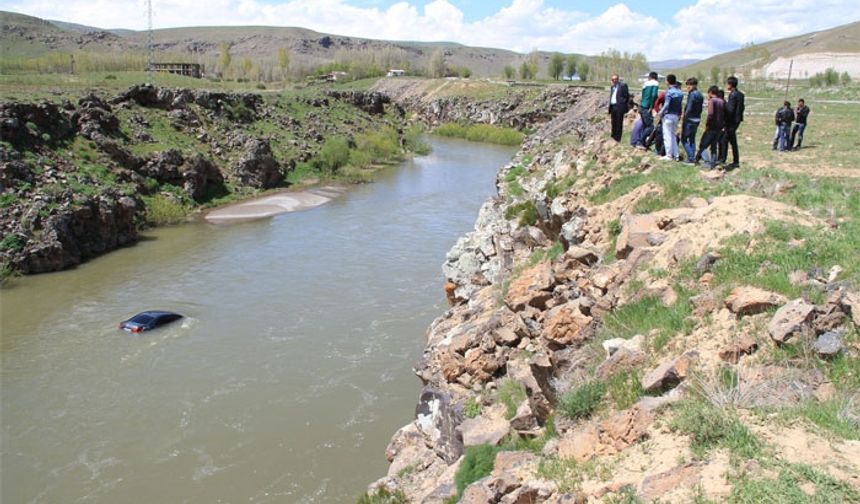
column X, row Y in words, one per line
column 668, row 29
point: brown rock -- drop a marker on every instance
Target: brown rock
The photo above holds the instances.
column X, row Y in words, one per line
column 506, row 336
column 606, row 438
column 533, row 287
column 535, row 378
column 478, row 493
column 703, row 304
column 581, row 254
column 451, row 365
column 744, row 345
column 851, row 305
column 669, row 373
column 565, row 325
column 684, row 476
column 481, row 365
column 524, row 420
column 450, row 289
column 827, row 318
column 511, row 469
column 746, row 300
column 481, row 430
column 634, row 233
column 620, row 360
column 790, row 319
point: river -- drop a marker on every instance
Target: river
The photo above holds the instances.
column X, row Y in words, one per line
column 287, row 377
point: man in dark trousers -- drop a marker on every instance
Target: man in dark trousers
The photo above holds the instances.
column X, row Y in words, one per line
column 734, row 118
column 714, row 125
column 619, row 96
column 692, row 117
column 783, row 119
column 800, row 116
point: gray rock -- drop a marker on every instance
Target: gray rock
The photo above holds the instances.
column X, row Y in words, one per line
column 790, row 319
column 829, row 344
column 438, row 418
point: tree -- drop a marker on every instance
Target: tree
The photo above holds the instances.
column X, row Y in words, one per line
column 525, row 71
column 437, row 63
column 465, row 72
column 283, row 61
column 556, row 65
column 570, row 66
column 247, row 65
column 583, row 71
column 533, row 61
column 224, row 58
column 715, row 75
column 509, row 72
column 845, row 78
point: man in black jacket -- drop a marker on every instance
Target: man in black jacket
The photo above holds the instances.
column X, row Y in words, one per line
column 734, row 118
column 783, row 119
column 619, row 96
column 800, row 115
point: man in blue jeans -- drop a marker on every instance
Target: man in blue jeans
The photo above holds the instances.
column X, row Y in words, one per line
column 649, row 96
column 692, row 118
column 669, row 115
column 800, row 115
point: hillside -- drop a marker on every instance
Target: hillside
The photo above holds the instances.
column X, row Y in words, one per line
column 26, row 37
column 837, row 47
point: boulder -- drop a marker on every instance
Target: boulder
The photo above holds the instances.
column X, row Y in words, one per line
column 851, row 305
column 437, row 418
column 746, row 300
column 566, row 325
column 608, row 437
column 485, row 429
column 703, row 303
column 621, row 360
column 828, row 317
column 581, row 254
column 633, row 344
column 684, row 476
column 534, row 375
column 829, row 344
column 533, row 287
column 524, row 420
column 790, row 319
column 744, row 344
column 669, row 373
column 201, row 177
column 635, row 231
column 258, row 167
column 707, row 261
column 511, row 469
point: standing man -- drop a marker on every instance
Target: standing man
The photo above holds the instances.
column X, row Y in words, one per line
column 669, row 115
column 619, row 95
column 784, row 118
column 734, row 118
column 649, row 96
column 800, row 114
column 713, row 127
column 692, row 118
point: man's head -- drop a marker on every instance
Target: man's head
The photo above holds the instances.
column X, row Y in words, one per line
column 732, row 82
column 671, row 79
column 800, row 102
column 786, row 104
column 692, row 83
column 652, row 75
column 721, row 93
column 614, row 79
column 713, row 91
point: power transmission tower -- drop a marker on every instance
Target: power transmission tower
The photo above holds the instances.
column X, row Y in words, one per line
column 150, row 44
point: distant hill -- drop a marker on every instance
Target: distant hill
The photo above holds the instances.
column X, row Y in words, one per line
column 27, row 36
column 837, row 47
column 661, row 66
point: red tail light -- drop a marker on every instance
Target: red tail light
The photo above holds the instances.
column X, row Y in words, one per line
column 136, row 329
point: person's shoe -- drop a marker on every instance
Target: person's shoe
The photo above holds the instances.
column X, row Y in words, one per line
column 666, row 158
column 732, row 166
column 641, row 147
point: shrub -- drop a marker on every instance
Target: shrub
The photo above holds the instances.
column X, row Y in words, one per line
column 511, row 394
column 624, row 388
column 382, row 145
column 472, row 408
column 413, row 138
column 477, row 463
column 162, row 209
column 583, row 400
column 11, row 242
column 334, row 154
column 526, row 211
column 383, row 496
column 481, row 133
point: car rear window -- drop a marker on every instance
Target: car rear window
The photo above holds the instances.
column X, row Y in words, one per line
column 142, row 319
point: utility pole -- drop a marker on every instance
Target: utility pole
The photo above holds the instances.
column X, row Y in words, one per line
column 788, row 83
column 150, row 45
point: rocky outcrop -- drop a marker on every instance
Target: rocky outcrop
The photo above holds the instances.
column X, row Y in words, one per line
column 371, row 102
column 258, row 167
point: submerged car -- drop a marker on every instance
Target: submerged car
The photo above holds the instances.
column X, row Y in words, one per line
column 144, row 321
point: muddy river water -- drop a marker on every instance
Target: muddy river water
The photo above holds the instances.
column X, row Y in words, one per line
column 287, row 377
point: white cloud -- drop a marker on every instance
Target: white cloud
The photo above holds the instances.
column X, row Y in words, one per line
column 704, row 28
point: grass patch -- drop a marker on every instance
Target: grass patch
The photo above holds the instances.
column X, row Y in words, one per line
column 481, row 133
column 162, row 210
column 569, row 474
column 581, row 401
column 525, row 212
column 511, row 394
column 472, row 408
column 383, row 496
column 712, row 427
column 648, row 314
column 477, row 463
column 624, row 388
column 786, row 488
column 837, row 416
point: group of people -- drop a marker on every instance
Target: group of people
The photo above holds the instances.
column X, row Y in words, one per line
column 661, row 113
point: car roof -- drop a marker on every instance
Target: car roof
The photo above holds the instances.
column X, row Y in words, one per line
column 157, row 313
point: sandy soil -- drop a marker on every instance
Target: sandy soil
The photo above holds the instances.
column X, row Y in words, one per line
column 267, row 206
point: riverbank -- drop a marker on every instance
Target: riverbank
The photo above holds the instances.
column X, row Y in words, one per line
column 624, row 329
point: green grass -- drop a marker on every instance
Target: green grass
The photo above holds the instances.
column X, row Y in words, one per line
column 647, row 314
column 477, row 463
column 511, row 394
column 582, row 401
column 712, row 427
column 624, row 388
column 525, row 212
column 568, row 474
column 828, row 415
column 383, row 496
column 481, row 133
column 786, row 487
column 472, row 408
column 164, row 210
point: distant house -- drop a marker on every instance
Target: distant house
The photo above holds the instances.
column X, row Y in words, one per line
column 187, row 69
column 395, row 73
column 330, row 77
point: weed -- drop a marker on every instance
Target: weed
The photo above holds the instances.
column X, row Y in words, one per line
column 624, row 388
column 12, row 243
column 477, row 463
column 481, row 133
column 511, row 394
column 383, row 496
column 526, row 213
column 786, row 487
column 649, row 313
column 581, row 401
column 162, row 209
column 710, row 427
column 472, row 408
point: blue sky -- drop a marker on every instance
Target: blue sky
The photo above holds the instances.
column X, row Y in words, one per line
column 661, row 30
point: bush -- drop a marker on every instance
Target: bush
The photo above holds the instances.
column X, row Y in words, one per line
column 477, row 463
column 481, row 133
column 413, row 138
column 11, row 242
column 511, row 394
column 526, row 211
column 162, row 209
column 472, row 408
column 381, row 146
column 383, row 496
column 583, row 400
column 334, row 154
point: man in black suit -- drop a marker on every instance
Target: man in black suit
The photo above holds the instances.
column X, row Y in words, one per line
column 619, row 96
column 734, row 118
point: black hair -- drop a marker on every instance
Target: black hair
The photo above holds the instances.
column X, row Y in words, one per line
column 652, row 75
column 801, row 101
column 721, row 93
column 671, row 79
column 733, row 81
column 714, row 90
column 786, row 103
column 692, row 81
